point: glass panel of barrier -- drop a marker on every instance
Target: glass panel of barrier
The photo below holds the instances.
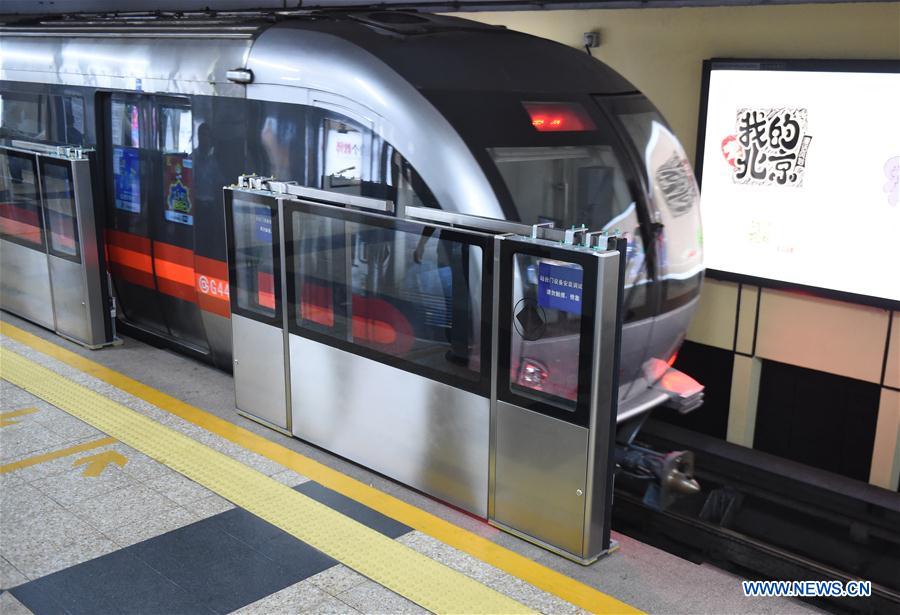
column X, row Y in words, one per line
column 253, row 257
column 20, row 201
column 546, row 336
column 405, row 293
column 59, row 205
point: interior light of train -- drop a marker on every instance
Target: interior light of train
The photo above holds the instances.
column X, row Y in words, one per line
column 559, row 117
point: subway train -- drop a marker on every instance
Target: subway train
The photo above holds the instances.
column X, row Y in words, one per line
column 421, row 110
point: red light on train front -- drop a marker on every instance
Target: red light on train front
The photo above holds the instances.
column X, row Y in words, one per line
column 559, row 117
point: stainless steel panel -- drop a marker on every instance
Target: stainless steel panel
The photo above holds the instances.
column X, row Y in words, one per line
column 540, row 464
column 69, row 299
column 78, row 306
column 259, row 370
column 25, row 283
column 603, row 408
column 423, row 433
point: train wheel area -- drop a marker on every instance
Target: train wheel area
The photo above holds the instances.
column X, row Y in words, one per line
column 114, row 470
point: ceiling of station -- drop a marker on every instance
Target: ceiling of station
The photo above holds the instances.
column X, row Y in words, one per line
column 45, row 7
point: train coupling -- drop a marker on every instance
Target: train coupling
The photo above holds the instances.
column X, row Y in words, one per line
column 669, row 475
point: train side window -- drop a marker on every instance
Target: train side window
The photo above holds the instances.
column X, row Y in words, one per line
column 22, row 115
column 20, row 201
column 406, row 296
column 346, row 156
column 343, row 156
column 59, row 207
column 67, row 119
column 674, row 198
column 125, row 125
column 409, row 189
column 176, row 145
column 253, row 256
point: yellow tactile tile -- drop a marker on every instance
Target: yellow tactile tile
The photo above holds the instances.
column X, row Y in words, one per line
column 391, row 564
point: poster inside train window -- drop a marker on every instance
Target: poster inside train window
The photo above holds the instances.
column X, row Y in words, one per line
column 177, row 184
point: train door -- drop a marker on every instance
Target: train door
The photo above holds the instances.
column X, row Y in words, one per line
column 128, row 236
column 173, row 221
column 150, row 239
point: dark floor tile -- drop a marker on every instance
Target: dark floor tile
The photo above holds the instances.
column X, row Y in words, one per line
column 274, row 543
column 114, row 583
column 35, row 596
column 354, row 510
column 245, row 526
column 215, row 567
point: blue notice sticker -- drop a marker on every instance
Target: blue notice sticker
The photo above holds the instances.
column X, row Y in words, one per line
column 560, row 287
column 263, row 225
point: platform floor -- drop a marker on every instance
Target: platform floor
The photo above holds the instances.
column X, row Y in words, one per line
column 89, row 524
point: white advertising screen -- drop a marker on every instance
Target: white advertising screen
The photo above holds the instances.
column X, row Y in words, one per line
column 800, row 178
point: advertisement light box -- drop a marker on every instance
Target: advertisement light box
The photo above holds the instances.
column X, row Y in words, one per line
column 799, row 164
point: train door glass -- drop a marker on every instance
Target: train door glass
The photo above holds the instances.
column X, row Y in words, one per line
column 173, row 217
column 128, row 234
column 256, row 320
column 407, row 294
column 20, row 200
column 545, row 340
column 59, row 208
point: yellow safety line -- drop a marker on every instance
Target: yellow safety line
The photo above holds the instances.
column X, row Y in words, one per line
column 13, row 414
column 65, row 452
column 419, row 578
column 477, row 546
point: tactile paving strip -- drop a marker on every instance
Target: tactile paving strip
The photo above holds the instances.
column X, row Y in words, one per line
column 391, row 564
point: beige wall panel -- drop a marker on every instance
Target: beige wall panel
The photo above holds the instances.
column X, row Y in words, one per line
column 830, row 336
column 886, row 453
column 744, row 398
column 713, row 322
column 892, row 368
column 661, row 50
column 747, row 319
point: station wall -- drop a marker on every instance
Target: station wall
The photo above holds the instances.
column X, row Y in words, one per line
column 833, row 367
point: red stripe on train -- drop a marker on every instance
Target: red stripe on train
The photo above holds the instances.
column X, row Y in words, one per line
column 178, row 271
column 12, row 211
column 211, row 278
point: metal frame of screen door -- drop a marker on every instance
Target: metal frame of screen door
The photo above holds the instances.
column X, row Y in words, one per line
column 569, row 452
column 75, row 287
column 551, row 469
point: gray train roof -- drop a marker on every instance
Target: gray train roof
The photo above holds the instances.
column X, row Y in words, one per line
column 193, row 55
column 81, row 6
column 436, row 52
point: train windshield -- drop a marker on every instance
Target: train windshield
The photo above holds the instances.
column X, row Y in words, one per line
column 575, row 185
column 565, row 185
